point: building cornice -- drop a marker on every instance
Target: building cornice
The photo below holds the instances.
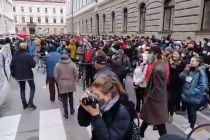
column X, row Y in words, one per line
column 48, row 1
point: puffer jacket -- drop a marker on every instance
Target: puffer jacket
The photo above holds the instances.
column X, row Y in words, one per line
column 195, row 85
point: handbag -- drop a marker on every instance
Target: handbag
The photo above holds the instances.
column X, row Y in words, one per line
column 135, row 132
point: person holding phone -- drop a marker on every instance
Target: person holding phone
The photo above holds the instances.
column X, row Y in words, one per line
column 194, row 88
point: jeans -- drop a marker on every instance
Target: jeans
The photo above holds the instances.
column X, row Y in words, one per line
column 22, row 85
column 65, row 98
column 191, row 112
column 52, row 86
column 140, row 92
column 161, row 129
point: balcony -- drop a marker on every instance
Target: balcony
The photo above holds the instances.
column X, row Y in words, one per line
column 31, row 24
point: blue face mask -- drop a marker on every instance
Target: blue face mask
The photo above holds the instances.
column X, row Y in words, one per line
column 151, row 57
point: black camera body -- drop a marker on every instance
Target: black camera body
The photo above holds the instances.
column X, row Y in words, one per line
column 90, row 101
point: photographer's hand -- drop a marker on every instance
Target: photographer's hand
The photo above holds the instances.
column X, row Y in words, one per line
column 93, row 111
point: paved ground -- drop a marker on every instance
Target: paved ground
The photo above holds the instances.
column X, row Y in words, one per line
column 47, row 122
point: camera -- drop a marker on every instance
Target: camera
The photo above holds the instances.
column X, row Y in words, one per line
column 90, row 100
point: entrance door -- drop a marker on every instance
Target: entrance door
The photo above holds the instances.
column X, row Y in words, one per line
column 32, row 30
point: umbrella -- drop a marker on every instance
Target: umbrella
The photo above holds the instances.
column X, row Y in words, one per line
column 23, row 34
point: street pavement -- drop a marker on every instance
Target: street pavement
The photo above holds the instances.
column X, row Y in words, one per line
column 47, row 122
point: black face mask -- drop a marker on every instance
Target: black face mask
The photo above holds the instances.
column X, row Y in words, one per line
column 190, row 49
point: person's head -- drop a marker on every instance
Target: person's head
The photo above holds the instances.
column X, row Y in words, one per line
column 63, row 43
column 190, row 47
column 100, row 59
column 176, row 56
column 156, row 51
column 23, row 46
column 106, row 88
column 196, row 62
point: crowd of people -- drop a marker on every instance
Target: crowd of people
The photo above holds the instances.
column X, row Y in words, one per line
column 169, row 76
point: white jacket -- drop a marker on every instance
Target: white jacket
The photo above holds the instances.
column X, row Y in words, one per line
column 139, row 75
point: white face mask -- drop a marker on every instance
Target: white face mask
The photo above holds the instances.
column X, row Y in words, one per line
column 208, row 44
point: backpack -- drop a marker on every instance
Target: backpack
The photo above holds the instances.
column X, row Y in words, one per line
column 88, row 56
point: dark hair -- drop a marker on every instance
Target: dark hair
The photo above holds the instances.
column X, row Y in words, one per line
column 157, row 51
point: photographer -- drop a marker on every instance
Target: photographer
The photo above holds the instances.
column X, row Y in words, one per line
column 102, row 108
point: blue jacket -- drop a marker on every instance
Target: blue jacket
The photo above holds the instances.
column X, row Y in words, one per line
column 51, row 60
column 195, row 85
column 32, row 48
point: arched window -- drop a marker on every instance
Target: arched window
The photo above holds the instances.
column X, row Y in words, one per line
column 168, row 15
column 86, row 25
column 142, row 10
column 91, row 25
column 113, row 21
column 82, row 26
column 97, row 24
column 206, row 16
column 104, row 22
column 125, row 19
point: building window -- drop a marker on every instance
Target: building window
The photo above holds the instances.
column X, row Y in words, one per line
column 16, row 30
column 206, row 16
column 168, row 15
column 82, row 26
column 62, row 20
column 113, row 21
column 23, row 20
column 30, row 9
column 142, row 9
column 22, row 9
column 31, row 19
column 54, row 11
column 91, row 25
column 45, row 10
column 14, row 9
column 125, row 19
column 104, row 22
column 15, row 19
column 86, row 25
column 54, row 20
column 38, row 10
column 61, row 10
column 46, row 20
column 24, row 29
column 39, row 20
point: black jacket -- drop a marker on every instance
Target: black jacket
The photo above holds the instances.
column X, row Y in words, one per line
column 21, row 66
column 111, row 125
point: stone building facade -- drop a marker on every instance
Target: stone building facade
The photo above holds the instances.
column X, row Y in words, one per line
column 182, row 18
column 40, row 16
column 6, row 18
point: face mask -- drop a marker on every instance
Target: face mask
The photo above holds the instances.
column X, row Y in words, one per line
column 190, row 49
column 151, row 57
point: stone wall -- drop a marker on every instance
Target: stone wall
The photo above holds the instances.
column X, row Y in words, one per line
column 186, row 22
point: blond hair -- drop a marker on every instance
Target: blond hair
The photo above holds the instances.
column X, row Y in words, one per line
column 108, row 85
